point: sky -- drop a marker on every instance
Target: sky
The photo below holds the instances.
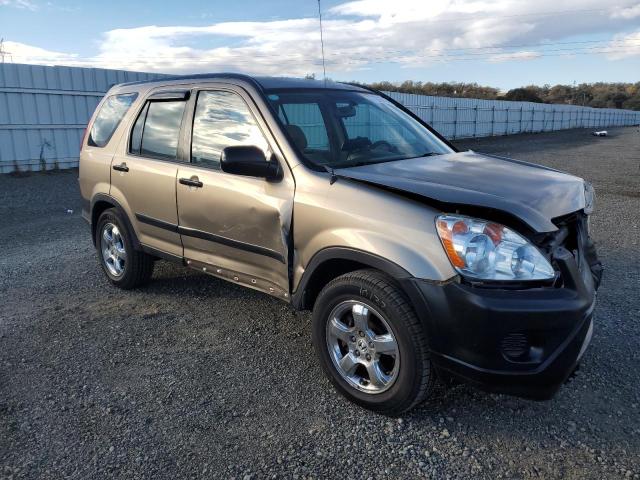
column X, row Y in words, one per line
column 502, row 43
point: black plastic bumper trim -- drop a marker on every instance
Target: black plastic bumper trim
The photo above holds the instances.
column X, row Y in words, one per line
column 537, row 384
column 466, row 326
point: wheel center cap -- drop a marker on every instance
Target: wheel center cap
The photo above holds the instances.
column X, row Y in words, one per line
column 362, row 345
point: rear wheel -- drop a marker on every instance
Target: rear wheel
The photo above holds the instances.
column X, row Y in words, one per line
column 371, row 344
column 124, row 266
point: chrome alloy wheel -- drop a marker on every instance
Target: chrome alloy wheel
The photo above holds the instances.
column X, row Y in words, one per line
column 113, row 251
column 362, row 347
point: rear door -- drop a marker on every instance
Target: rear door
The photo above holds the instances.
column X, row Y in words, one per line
column 143, row 176
column 234, row 226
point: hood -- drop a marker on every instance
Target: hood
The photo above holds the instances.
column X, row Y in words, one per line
column 532, row 193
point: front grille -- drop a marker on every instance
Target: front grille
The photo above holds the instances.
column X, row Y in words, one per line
column 514, row 346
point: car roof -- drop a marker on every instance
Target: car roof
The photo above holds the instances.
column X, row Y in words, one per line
column 263, row 83
column 276, row 83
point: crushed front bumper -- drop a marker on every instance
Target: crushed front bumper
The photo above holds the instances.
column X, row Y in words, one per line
column 522, row 342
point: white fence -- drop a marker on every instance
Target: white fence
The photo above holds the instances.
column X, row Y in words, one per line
column 469, row 117
column 44, row 110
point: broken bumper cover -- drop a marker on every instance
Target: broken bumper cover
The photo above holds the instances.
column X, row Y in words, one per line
column 523, row 342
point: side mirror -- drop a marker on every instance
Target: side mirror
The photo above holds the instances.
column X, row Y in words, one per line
column 249, row 161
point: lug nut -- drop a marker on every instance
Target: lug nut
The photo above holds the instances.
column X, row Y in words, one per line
column 352, row 338
column 368, row 357
column 357, row 353
column 361, row 333
column 370, row 344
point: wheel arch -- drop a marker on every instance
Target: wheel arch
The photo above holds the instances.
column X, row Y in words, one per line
column 102, row 202
column 332, row 262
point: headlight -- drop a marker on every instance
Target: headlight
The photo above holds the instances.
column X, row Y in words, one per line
column 490, row 251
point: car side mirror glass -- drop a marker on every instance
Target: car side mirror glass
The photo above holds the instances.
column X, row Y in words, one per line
column 249, row 161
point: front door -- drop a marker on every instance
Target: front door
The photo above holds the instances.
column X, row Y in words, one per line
column 233, row 226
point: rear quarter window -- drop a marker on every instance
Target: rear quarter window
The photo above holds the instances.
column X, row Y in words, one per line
column 109, row 117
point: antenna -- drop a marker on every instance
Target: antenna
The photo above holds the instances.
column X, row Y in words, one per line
column 324, row 70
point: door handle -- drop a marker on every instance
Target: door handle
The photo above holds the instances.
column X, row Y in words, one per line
column 121, row 168
column 192, row 182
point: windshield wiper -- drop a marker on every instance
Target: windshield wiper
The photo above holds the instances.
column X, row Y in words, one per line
column 333, row 178
column 361, row 163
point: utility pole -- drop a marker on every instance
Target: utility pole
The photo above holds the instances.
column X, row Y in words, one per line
column 3, row 53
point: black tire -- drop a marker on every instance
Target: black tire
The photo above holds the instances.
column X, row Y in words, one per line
column 416, row 376
column 138, row 266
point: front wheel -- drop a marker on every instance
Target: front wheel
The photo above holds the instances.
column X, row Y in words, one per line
column 371, row 344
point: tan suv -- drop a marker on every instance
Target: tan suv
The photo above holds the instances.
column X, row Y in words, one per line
column 419, row 261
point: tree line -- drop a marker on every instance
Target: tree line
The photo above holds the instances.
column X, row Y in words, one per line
column 600, row 94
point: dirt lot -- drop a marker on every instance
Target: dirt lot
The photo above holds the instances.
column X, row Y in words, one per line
column 193, row 377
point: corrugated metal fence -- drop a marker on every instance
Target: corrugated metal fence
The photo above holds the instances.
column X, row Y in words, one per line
column 44, row 110
column 470, row 117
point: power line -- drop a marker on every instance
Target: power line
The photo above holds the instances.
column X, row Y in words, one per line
column 567, row 51
column 459, row 18
column 238, row 59
column 498, row 47
column 445, row 59
column 378, row 55
column 437, row 52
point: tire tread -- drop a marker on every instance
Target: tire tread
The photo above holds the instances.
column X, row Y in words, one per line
column 394, row 294
column 141, row 264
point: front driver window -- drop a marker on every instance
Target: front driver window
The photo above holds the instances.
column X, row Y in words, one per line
column 222, row 119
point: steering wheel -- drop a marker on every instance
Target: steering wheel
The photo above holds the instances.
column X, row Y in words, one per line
column 383, row 143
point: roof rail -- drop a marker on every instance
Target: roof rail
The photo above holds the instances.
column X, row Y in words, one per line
column 196, row 76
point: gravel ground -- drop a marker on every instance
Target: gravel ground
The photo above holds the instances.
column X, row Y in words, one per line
column 194, row 377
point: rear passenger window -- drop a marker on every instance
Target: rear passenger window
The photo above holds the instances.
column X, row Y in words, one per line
column 222, row 119
column 156, row 131
column 109, row 117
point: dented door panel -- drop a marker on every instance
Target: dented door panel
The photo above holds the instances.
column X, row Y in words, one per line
column 238, row 224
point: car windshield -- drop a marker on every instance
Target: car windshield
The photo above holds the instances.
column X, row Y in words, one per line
column 337, row 129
